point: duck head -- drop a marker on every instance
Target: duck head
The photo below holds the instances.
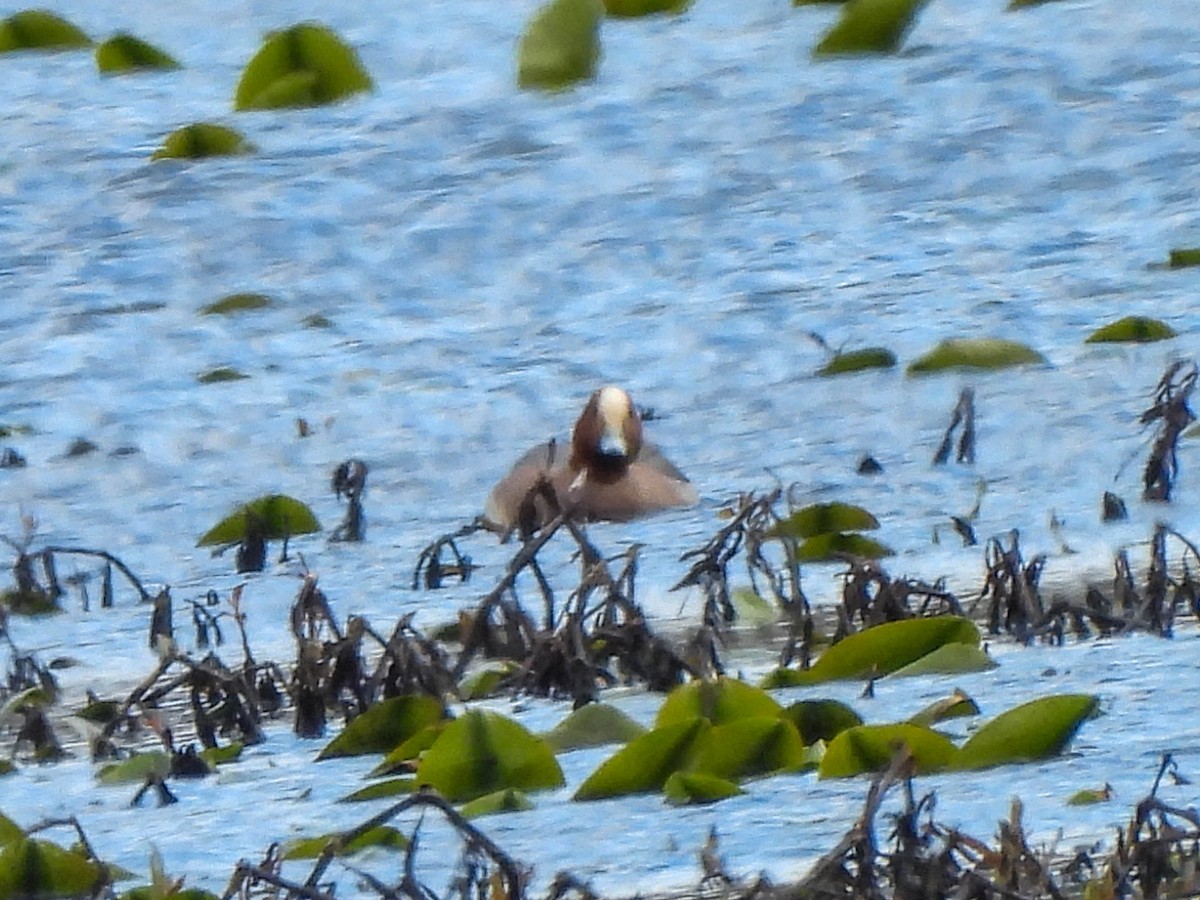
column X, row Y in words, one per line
column 607, row 436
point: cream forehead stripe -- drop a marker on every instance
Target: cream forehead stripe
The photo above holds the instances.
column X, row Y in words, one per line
column 614, row 407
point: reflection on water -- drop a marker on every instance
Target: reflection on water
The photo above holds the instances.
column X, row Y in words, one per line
column 486, row 259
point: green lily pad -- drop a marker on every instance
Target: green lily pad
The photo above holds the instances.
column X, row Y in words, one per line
column 949, row 659
column 748, row 747
column 593, row 725
column 831, row 547
column 36, row 868
column 123, row 53
column 507, row 800
column 688, row 788
column 561, row 45
column 752, row 608
column 482, row 752
column 858, row 361
column 824, row 518
column 1184, row 257
column 870, row 26
column 956, row 706
column 1132, row 329
column 163, row 892
column 975, row 353
column 385, row 725
column 631, row 9
column 390, row 787
column 7, row 767
column 1091, row 796
column 220, row 756
column 880, row 650
column 275, row 517
column 136, row 769
column 305, row 65
column 201, row 140
column 235, row 303
column 404, row 757
column 485, row 682
column 221, row 375
column 1032, row 731
column 645, row 763
column 721, row 701
column 39, row 29
column 821, row 720
column 383, row 836
column 9, row 831
column 870, row 748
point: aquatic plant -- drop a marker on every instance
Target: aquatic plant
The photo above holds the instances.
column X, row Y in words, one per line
column 629, row 9
column 1132, row 329
column 243, row 301
column 845, row 362
column 975, row 353
column 870, row 26
column 560, row 45
column 39, row 29
column 124, row 53
column 201, row 140
column 304, row 65
column 274, row 517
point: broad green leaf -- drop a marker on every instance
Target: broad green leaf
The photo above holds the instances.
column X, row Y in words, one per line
column 221, row 375
column 485, row 682
column 685, row 788
column 975, row 353
column 645, row 763
column 9, row 830
column 748, row 747
column 35, row 868
column 482, row 752
column 561, row 45
column 403, row 758
column 1132, row 329
column 123, row 53
column 137, row 768
column 821, row 720
column 1183, row 257
column 955, row 706
column 202, row 139
column 384, row 836
column 826, row 547
column 38, row 29
column 949, row 659
column 1091, row 796
column 235, row 303
column 870, row 26
column 100, row 711
column 721, row 701
column 384, row 726
column 630, row 9
column 824, row 518
column 275, row 517
column 305, row 65
column 1032, row 731
column 880, row 650
column 592, row 726
column 507, row 800
column 151, row 892
column 870, row 748
column 219, row 756
column 7, row 767
column 391, row 787
column 849, row 361
column 753, row 609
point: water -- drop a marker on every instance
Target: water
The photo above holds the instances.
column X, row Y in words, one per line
column 487, row 258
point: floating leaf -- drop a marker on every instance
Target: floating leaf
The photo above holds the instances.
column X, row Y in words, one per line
column 507, row 800
column 9, row 830
column 824, row 518
column 485, row 682
column 561, row 45
column 6, row 768
column 1184, row 257
column 1035, row 730
column 1092, row 796
column 684, row 788
column 721, row 701
column 1132, row 329
column 305, row 65
column 748, row 747
column 880, row 650
column 630, row 9
column 274, row 517
column 821, row 720
column 752, row 608
column 38, row 29
column 870, row 748
column 484, row 752
column 34, row 868
column 828, row 547
column 162, row 892
column 955, row 706
column 975, row 353
column 950, row 659
column 593, row 725
column 221, row 375
column 645, row 763
column 235, row 303
column 390, row 787
column 136, row 769
column 201, row 140
column 858, row 361
column 384, row 836
column 219, row 756
column 870, row 26
column 385, row 725
column 404, row 758
column 123, row 53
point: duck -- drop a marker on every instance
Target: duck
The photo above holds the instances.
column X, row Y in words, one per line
column 608, row 472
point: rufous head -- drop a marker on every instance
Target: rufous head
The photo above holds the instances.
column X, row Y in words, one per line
column 608, row 434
